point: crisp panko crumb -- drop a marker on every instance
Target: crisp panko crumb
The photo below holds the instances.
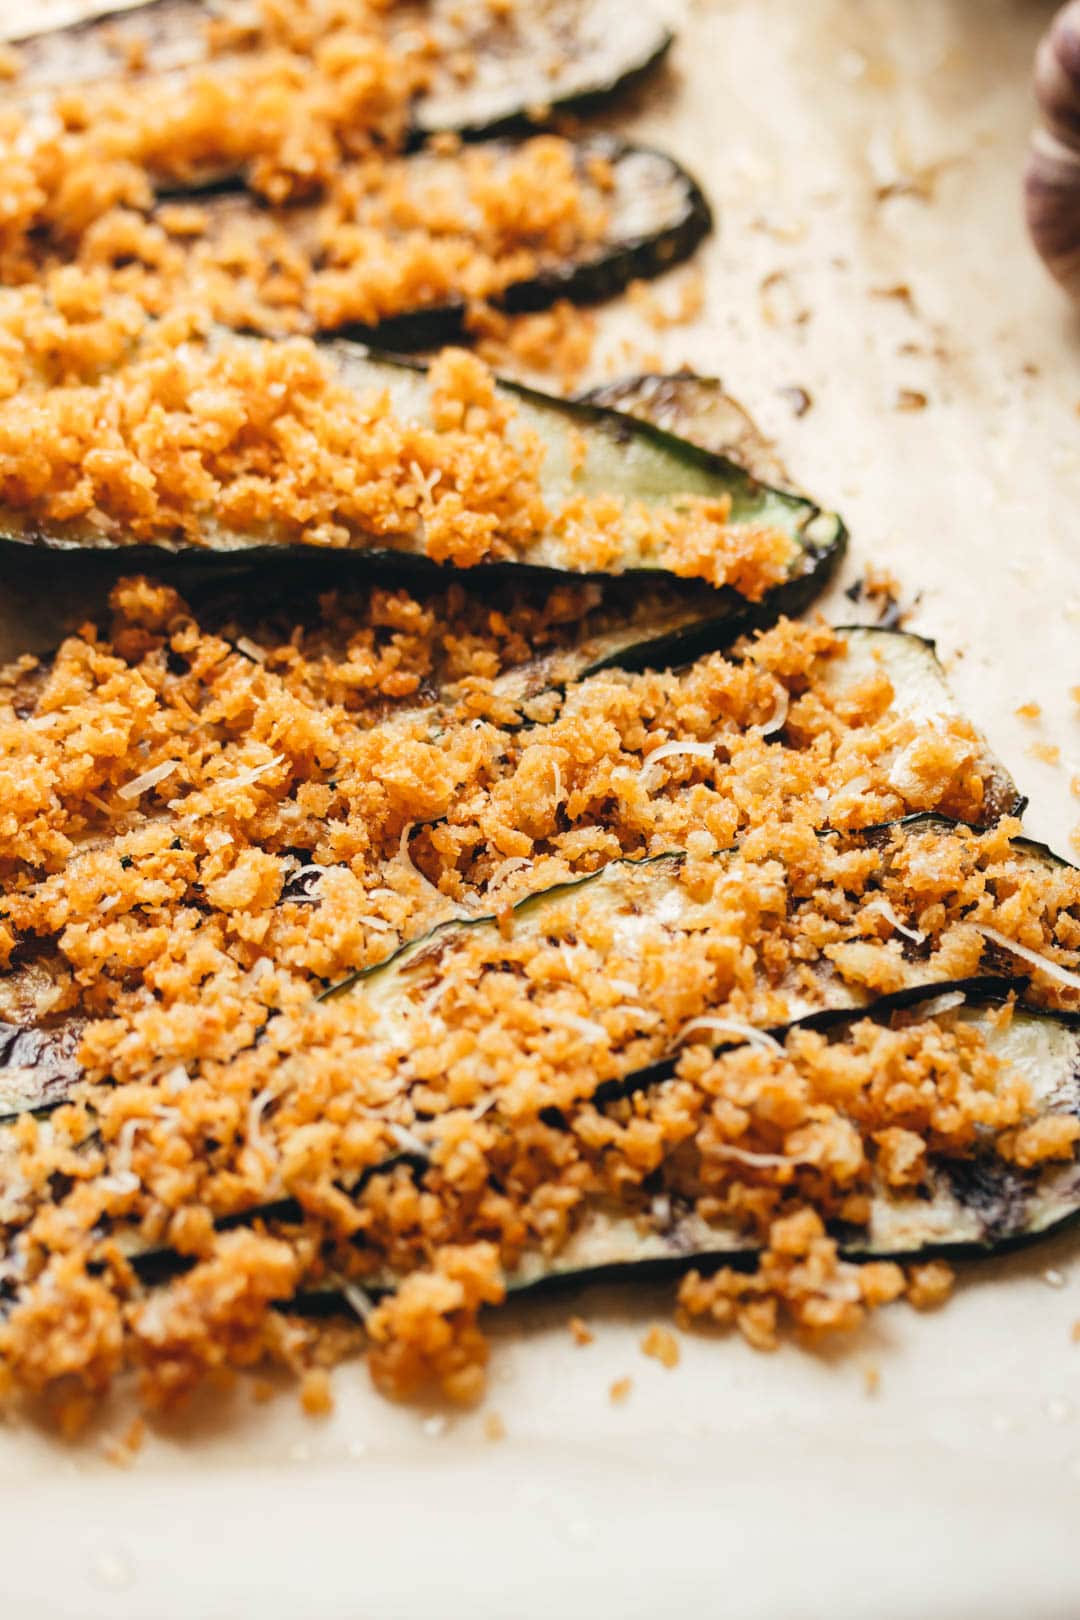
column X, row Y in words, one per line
column 1054, row 1136
column 494, row 1428
column 619, row 1393
column 581, row 1333
column 1049, row 753
column 677, row 305
column 929, row 1286
column 192, row 443
column 662, row 1345
column 1029, row 711
column 871, row 1379
column 1075, row 1331
column 122, row 1450
column 370, row 776
column 880, row 1282
column 426, row 1333
column 558, row 341
column 316, row 1394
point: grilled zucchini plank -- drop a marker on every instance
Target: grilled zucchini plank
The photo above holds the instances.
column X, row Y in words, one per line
column 538, row 58
column 655, row 216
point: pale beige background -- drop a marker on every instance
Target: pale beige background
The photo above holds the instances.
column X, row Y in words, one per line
column 851, row 147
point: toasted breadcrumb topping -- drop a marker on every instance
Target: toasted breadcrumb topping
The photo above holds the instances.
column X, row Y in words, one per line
column 312, row 114
column 148, row 435
column 438, row 1123
column 387, row 237
column 618, row 893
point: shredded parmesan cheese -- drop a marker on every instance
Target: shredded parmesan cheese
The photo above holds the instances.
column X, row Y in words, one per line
column 246, row 778
column 780, row 714
column 359, row 1302
column 149, row 779
column 884, row 909
column 407, row 1140
column 1053, row 970
column 672, row 750
column 588, row 1027
column 255, row 1138
column 734, row 1028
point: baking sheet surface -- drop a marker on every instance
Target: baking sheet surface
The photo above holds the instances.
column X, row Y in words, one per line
column 863, row 157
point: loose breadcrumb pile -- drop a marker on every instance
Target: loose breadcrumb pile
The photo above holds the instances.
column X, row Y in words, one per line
column 206, row 823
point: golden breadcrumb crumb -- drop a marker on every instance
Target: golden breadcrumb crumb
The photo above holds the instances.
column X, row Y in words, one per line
column 123, row 1449
column 316, row 1395
column 581, row 1333
column 930, row 1285
column 135, row 923
column 662, row 1345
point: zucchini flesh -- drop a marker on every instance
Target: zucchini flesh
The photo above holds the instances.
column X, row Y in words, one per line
column 544, row 56
column 39, row 1045
column 657, row 215
column 93, row 42
column 625, row 458
column 696, row 408
column 924, row 697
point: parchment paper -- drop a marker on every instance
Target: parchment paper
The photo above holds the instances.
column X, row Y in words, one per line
column 863, row 156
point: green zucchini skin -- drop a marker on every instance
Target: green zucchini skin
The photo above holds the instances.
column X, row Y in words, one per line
column 602, row 51
column 976, row 1206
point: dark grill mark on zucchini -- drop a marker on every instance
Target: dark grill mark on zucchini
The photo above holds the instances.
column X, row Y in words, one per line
column 38, row 1067
column 696, row 408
